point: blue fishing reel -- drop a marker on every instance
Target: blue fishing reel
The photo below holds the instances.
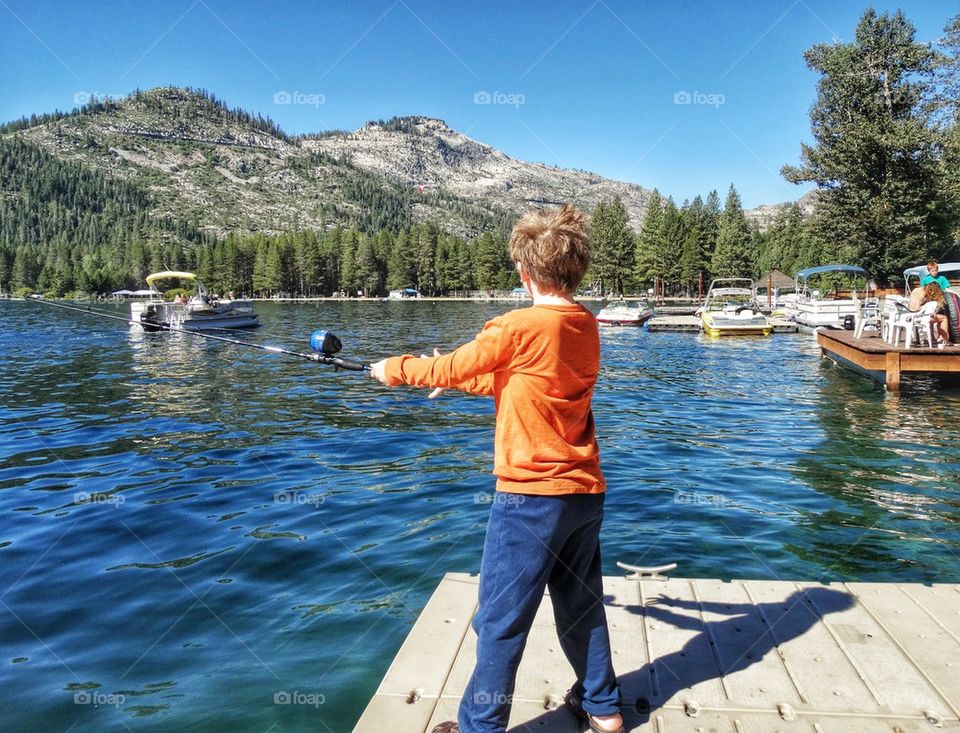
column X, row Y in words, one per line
column 325, row 342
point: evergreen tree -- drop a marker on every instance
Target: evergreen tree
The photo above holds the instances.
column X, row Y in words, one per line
column 733, row 256
column 691, row 260
column 709, row 231
column 401, row 269
column 648, row 254
column 875, row 158
column 672, row 234
column 491, row 255
column 613, row 246
column 349, row 280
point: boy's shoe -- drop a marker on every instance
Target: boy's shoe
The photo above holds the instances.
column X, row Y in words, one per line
column 447, row 726
column 576, row 707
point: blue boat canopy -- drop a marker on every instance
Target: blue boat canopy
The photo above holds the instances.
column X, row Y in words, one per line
column 848, row 269
column 921, row 270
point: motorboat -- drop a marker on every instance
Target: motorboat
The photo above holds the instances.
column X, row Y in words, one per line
column 200, row 312
column 730, row 309
column 625, row 313
column 822, row 303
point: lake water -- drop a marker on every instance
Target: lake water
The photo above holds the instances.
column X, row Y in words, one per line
column 191, row 530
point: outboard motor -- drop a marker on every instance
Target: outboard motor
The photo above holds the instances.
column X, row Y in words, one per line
column 848, row 322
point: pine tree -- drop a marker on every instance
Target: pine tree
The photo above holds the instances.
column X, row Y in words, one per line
column 400, row 266
column 875, row 157
column 691, row 261
column 489, row 259
column 733, row 256
column 647, row 255
column 613, row 246
column 349, row 282
column 671, row 236
column 709, row 230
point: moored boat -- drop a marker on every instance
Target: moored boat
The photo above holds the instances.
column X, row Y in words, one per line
column 828, row 305
column 730, row 309
column 201, row 312
column 625, row 313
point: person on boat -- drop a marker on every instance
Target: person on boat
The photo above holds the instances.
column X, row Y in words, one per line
column 932, row 291
column 540, row 365
column 933, row 276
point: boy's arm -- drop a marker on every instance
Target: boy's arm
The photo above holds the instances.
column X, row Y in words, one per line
column 469, row 368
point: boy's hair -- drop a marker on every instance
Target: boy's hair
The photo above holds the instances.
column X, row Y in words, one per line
column 932, row 263
column 553, row 248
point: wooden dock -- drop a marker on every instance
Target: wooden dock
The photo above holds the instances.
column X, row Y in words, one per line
column 691, row 324
column 875, row 358
column 707, row 655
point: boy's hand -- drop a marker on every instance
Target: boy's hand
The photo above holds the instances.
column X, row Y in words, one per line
column 378, row 371
column 439, row 390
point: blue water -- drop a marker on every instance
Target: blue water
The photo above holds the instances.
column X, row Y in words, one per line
column 193, row 528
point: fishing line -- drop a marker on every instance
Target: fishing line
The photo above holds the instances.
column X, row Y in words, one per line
column 324, row 343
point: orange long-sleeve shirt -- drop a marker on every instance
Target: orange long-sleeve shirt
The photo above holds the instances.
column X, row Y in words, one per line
column 540, row 365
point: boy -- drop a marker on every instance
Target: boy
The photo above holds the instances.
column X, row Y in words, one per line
column 933, row 276
column 540, row 365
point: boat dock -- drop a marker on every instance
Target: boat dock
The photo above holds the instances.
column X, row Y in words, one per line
column 691, row 324
column 708, row 655
column 875, row 358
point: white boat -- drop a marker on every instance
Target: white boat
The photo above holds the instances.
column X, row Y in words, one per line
column 201, row 312
column 625, row 313
column 821, row 307
column 730, row 309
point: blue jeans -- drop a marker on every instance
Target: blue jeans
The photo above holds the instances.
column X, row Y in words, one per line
column 532, row 543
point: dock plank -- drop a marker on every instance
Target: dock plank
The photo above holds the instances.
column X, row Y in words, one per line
column 920, row 638
column 709, row 655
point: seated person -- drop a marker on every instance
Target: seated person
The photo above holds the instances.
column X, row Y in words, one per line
column 916, row 298
column 941, row 328
column 933, row 276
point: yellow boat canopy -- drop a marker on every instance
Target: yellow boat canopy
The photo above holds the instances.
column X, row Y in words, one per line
column 151, row 279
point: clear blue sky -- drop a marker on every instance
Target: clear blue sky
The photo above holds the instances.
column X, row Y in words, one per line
column 586, row 84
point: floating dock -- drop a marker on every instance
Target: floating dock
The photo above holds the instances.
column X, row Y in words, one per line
column 710, row 656
column 875, row 358
column 691, row 324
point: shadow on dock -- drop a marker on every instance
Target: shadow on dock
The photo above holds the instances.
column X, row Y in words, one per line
column 719, row 648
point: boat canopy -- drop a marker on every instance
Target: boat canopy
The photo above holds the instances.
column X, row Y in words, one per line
column 921, row 270
column 151, row 279
column 848, row 269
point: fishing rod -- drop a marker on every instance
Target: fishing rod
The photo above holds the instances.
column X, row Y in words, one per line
column 323, row 343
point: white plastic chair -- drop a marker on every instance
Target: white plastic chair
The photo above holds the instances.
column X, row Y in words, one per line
column 916, row 323
column 868, row 314
column 891, row 307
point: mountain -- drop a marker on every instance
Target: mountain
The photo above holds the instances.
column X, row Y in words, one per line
column 224, row 169
column 427, row 154
column 764, row 214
